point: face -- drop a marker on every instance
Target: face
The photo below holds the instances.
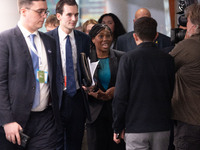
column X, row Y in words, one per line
column 68, row 18
column 191, row 28
column 33, row 16
column 103, row 41
column 109, row 22
column 88, row 28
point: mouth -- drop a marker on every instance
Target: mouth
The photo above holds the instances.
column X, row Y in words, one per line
column 73, row 24
column 105, row 45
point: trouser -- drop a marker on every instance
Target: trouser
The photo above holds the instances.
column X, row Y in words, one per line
column 41, row 129
column 73, row 117
column 186, row 136
column 147, row 141
column 100, row 132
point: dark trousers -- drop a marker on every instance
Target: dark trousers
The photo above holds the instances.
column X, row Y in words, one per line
column 73, row 116
column 41, row 128
column 100, row 133
column 186, row 136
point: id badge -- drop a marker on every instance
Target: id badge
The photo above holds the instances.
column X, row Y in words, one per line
column 42, row 76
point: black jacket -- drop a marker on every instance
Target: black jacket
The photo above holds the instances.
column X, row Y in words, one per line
column 126, row 42
column 143, row 90
column 96, row 105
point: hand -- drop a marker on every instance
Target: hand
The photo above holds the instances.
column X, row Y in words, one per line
column 89, row 89
column 108, row 95
column 12, row 132
column 119, row 139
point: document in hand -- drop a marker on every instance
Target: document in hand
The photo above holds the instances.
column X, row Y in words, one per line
column 88, row 68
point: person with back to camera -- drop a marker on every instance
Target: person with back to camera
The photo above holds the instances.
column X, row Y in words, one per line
column 99, row 129
column 72, row 101
column 28, row 98
column 127, row 42
column 143, row 92
column 185, row 101
column 87, row 26
column 115, row 25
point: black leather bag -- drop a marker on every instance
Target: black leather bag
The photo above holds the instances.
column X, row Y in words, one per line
column 85, row 69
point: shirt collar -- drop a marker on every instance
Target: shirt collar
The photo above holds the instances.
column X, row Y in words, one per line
column 63, row 35
column 24, row 31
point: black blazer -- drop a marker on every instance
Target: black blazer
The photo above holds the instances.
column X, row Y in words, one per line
column 126, row 42
column 17, row 79
column 94, row 104
column 83, row 45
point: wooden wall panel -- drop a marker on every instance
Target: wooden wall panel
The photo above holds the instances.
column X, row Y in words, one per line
column 172, row 12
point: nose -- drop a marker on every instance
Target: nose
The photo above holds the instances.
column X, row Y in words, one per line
column 45, row 15
column 73, row 17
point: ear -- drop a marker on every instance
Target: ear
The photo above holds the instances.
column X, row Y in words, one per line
column 156, row 36
column 58, row 15
column 135, row 36
column 93, row 40
column 23, row 11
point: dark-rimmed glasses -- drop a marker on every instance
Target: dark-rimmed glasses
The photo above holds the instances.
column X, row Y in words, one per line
column 41, row 12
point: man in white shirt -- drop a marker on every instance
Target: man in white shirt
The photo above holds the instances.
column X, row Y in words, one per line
column 73, row 104
column 28, row 99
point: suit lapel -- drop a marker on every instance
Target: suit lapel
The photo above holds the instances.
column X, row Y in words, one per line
column 113, row 67
column 58, row 54
column 48, row 53
column 22, row 46
column 78, row 46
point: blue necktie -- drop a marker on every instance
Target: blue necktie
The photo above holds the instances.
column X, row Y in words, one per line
column 71, row 83
column 35, row 61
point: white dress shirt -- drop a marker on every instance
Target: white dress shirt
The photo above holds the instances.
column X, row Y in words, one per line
column 62, row 39
column 43, row 65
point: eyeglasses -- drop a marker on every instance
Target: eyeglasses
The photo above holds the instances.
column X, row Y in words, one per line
column 41, row 12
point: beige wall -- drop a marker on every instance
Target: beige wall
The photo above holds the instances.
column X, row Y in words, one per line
column 9, row 15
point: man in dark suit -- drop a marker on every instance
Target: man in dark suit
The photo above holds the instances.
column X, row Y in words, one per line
column 126, row 42
column 73, row 105
column 28, row 99
column 143, row 92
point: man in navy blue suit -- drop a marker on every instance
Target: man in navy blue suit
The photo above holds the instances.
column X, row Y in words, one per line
column 28, row 99
column 73, row 107
column 126, row 42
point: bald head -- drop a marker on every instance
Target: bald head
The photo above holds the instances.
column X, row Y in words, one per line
column 142, row 12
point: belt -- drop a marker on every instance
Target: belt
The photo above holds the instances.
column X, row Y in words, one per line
column 49, row 107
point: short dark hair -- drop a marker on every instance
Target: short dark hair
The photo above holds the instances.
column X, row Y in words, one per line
column 61, row 3
column 119, row 28
column 22, row 3
column 146, row 28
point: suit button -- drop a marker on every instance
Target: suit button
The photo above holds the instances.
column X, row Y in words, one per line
column 33, row 87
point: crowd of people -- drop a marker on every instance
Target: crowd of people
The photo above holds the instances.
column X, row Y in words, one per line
column 145, row 94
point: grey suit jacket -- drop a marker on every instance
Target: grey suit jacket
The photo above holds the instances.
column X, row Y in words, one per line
column 17, row 80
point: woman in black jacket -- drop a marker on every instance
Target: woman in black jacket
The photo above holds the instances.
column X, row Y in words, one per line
column 99, row 129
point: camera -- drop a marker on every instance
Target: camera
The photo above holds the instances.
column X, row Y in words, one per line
column 178, row 34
